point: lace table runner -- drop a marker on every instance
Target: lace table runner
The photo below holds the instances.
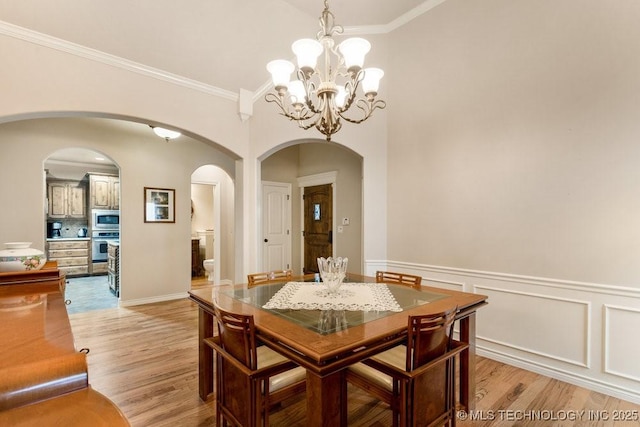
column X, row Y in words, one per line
column 350, row 296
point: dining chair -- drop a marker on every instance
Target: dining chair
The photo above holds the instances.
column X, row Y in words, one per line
column 417, row 379
column 268, row 277
column 401, row 278
column 250, row 378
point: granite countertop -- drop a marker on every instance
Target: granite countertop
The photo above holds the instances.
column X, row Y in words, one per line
column 66, row 239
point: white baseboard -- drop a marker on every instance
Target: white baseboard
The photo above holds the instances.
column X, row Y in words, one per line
column 588, row 383
column 161, row 298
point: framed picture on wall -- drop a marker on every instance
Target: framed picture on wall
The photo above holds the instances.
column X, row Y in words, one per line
column 159, row 205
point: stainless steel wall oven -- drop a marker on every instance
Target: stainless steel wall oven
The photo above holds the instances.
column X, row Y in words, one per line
column 99, row 240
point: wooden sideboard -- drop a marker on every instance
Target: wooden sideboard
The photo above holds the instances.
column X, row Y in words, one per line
column 44, row 380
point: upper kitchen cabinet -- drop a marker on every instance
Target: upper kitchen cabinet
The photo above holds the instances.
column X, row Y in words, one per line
column 66, row 199
column 104, row 192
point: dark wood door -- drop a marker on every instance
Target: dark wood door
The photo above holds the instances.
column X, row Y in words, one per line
column 318, row 223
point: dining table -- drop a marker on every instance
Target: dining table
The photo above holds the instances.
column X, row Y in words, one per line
column 297, row 319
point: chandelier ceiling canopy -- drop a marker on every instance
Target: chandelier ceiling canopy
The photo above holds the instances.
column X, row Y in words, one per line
column 323, row 94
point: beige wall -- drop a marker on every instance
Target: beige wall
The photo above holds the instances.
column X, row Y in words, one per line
column 202, row 202
column 515, row 148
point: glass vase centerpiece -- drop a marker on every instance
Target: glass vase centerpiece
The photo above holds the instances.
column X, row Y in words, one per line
column 332, row 272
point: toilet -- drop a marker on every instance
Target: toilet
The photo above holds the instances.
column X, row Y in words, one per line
column 208, row 265
column 206, row 248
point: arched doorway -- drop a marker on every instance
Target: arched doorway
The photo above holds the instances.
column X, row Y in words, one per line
column 312, row 163
column 82, row 200
column 212, row 220
column 152, row 268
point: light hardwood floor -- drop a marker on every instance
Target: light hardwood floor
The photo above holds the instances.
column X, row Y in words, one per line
column 145, row 359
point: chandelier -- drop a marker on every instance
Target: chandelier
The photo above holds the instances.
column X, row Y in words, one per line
column 323, row 95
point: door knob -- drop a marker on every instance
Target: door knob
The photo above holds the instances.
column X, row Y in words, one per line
column 266, row 240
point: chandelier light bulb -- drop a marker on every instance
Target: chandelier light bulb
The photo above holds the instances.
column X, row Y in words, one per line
column 280, row 70
column 297, row 92
column 353, row 51
column 371, row 80
column 341, row 96
column 307, row 52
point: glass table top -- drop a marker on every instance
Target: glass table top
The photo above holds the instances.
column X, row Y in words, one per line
column 330, row 321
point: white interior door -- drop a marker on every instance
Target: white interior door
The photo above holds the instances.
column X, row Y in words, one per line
column 276, row 226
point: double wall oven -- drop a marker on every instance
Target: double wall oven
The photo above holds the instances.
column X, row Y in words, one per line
column 105, row 226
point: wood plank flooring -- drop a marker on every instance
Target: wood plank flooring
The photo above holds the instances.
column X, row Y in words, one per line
column 145, row 359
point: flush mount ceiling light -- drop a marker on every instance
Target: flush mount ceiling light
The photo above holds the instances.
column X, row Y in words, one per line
column 323, row 95
column 165, row 133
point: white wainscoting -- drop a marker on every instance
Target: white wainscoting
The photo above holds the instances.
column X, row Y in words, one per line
column 581, row 333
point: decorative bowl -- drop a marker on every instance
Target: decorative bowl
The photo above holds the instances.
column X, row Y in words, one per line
column 332, row 271
column 19, row 256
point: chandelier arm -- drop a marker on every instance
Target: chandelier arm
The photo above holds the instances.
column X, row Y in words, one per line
column 304, row 126
column 309, row 88
column 367, row 107
column 301, row 115
column 351, row 87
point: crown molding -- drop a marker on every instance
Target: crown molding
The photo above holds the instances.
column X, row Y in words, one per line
column 396, row 23
column 51, row 42
column 112, row 60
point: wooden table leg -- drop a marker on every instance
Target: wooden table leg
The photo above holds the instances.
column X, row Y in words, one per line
column 468, row 362
column 325, row 400
column 205, row 354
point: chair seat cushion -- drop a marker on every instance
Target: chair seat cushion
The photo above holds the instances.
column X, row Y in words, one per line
column 267, row 357
column 396, row 356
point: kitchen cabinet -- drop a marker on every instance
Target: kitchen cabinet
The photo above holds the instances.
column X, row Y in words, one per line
column 113, row 267
column 72, row 255
column 99, row 268
column 104, row 191
column 66, row 199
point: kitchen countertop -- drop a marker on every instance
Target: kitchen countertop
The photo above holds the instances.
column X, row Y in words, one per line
column 63, row 239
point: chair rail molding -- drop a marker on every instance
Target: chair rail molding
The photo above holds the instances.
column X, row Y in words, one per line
column 577, row 332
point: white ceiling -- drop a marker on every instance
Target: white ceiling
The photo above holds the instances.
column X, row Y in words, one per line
column 222, row 43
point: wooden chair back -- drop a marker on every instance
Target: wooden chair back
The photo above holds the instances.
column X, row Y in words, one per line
column 429, row 336
column 423, row 391
column 269, row 277
column 401, row 278
column 244, row 371
column 237, row 336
